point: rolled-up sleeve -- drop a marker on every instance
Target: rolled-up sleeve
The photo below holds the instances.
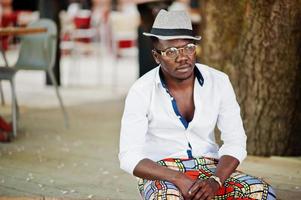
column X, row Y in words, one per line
column 230, row 124
column 134, row 125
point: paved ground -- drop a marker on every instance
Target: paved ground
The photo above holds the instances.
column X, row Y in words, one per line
column 47, row 160
column 81, row 162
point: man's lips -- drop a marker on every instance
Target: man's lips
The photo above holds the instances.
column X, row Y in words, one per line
column 184, row 68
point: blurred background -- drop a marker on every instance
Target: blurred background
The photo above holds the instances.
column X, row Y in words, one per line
column 101, row 52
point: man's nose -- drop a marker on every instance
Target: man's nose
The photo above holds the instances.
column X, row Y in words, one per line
column 181, row 56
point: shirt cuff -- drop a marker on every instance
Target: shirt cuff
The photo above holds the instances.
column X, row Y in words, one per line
column 237, row 152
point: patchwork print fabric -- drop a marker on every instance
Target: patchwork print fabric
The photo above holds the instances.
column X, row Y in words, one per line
column 238, row 186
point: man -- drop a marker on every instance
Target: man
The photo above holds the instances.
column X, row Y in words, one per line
column 50, row 10
column 167, row 131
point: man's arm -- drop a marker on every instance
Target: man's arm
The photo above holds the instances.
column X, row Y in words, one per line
column 225, row 167
column 134, row 125
column 148, row 169
column 233, row 150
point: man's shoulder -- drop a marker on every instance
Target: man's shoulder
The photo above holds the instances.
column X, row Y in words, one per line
column 210, row 72
column 147, row 81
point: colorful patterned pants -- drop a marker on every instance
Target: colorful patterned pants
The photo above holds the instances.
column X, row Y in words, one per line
column 237, row 186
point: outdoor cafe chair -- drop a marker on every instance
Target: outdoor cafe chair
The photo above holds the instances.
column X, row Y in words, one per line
column 37, row 52
column 8, row 74
column 124, row 36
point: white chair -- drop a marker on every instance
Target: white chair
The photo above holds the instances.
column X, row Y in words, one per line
column 124, row 33
column 79, row 38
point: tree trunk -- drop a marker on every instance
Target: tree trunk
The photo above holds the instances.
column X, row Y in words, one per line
column 258, row 44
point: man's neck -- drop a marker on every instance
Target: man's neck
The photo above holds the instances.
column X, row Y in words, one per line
column 178, row 84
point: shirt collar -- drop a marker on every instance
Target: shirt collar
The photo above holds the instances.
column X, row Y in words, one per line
column 160, row 80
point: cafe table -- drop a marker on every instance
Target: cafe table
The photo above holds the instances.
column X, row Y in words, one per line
column 16, row 31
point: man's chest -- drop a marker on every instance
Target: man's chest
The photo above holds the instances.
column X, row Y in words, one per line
column 199, row 109
column 185, row 104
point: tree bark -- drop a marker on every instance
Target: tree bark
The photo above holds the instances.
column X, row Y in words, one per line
column 258, row 44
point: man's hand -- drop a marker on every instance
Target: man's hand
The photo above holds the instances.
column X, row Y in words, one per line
column 203, row 189
column 196, row 189
column 184, row 183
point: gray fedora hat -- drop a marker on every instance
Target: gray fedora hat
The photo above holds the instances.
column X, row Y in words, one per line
column 170, row 25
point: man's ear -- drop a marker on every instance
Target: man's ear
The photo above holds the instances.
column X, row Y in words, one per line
column 155, row 55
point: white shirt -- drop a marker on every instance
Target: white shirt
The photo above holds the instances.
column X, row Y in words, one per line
column 151, row 128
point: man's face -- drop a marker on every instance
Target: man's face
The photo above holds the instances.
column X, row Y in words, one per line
column 180, row 67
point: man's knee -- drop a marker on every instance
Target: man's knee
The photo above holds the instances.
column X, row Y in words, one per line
column 160, row 190
column 252, row 187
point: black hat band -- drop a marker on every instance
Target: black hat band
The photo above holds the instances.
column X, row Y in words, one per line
column 171, row 32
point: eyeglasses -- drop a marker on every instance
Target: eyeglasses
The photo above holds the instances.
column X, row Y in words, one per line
column 174, row 52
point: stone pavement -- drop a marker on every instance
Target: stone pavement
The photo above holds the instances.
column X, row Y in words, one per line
column 47, row 160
